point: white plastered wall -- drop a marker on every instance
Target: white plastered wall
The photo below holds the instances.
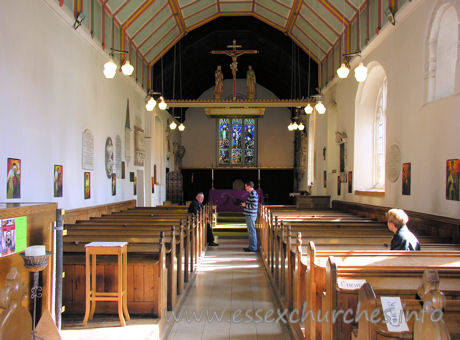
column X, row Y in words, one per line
column 427, row 134
column 51, row 89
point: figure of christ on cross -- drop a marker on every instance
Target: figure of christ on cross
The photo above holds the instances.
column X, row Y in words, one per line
column 234, row 54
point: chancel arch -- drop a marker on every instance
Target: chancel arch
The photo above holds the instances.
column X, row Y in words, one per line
column 370, row 130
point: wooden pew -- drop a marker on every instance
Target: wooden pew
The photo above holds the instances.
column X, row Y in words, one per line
column 147, row 278
column 422, row 324
column 306, row 283
column 419, row 223
column 142, row 234
column 184, row 246
column 162, row 215
column 273, row 233
column 387, row 274
column 358, row 234
column 270, row 227
column 173, row 242
column 168, row 212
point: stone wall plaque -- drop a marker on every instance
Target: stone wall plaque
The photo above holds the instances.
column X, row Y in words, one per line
column 393, row 163
column 87, row 150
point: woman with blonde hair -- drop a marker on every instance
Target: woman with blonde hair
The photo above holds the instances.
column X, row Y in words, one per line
column 403, row 238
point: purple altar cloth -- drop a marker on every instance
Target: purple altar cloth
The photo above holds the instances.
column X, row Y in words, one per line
column 224, row 199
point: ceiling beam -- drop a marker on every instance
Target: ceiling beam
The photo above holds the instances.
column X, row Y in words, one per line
column 239, row 103
column 133, row 17
column 175, row 8
column 295, row 10
column 344, row 21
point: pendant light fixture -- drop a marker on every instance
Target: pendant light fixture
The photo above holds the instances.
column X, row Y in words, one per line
column 110, row 67
column 320, row 107
column 162, row 104
column 344, row 70
column 150, row 105
column 361, row 73
column 127, row 68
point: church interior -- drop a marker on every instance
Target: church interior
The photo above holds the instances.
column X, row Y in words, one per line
column 329, row 112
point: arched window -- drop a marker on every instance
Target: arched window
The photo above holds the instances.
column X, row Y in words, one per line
column 442, row 53
column 379, row 138
column 370, row 131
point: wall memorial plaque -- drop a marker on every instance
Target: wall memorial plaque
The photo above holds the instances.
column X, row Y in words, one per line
column 393, row 163
column 138, row 146
column 87, row 150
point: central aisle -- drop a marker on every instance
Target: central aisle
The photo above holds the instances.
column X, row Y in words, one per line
column 230, row 288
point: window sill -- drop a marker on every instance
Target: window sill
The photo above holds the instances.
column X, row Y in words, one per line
column 375, row 193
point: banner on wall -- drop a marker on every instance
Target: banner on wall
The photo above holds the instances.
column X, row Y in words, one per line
column 13, row 235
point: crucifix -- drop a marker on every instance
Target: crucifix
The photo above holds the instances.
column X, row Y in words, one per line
column 234, row 54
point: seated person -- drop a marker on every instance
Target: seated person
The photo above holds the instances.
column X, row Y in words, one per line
column 195, row 207
column 403, row 239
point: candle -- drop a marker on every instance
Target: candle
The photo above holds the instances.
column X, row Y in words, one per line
column 35, row 251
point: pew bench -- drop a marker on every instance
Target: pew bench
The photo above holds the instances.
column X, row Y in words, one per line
column 417, row 312
column 147, row 279
column 75, row 244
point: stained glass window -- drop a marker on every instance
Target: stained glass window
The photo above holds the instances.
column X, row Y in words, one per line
column 224, row 141
column 249, row 141
column 237, row 141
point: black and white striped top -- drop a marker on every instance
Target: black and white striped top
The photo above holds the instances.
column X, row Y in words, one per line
column 252, row 203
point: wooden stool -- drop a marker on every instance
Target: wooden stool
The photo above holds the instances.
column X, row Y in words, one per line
column 106, row 248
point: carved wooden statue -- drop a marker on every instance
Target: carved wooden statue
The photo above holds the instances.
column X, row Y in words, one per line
column 251, row 82
column 433, row 299
column 15, row 320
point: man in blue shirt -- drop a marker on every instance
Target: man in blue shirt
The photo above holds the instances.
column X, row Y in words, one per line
column 403, row 239
column 250, row 213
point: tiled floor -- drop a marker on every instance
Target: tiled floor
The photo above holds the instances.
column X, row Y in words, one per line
column 230, row 299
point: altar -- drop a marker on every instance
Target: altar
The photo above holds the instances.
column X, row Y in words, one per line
column 228, row 200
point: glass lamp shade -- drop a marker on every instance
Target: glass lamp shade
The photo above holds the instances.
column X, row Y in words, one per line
column 308, row 109
column 301, row 127
column 127, row 68
column 162, row 104
column 173, row 125
column 320, row 108
column 110, row 69
column 290, row 126
column 150, row 105
column 343, row 71
column 295, row 126
column 361, row 73
column 181, row 127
